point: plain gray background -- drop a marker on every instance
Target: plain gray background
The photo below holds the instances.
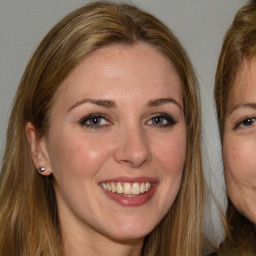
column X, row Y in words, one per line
column 199, row 24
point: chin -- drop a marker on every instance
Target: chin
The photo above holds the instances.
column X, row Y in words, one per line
column 134, row 232
column 128, row 238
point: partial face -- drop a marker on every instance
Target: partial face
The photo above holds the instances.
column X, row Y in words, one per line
column 239, row 145
column 116, row 143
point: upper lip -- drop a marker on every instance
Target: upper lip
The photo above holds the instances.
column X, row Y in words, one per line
column 130, row 179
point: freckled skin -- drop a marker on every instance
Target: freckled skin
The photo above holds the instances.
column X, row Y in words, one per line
column 239, row 144
column 80, row 157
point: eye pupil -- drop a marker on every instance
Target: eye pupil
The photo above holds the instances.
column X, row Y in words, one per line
column 157, row 120
column 95, row 120
column 249, row 121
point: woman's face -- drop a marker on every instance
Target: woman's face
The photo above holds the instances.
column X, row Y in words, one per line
column 116, row 142
column 239, row 145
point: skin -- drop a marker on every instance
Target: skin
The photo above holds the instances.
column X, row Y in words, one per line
column 133, row 140
column 239, row 145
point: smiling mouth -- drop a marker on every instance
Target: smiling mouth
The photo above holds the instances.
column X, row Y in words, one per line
column 126, row 188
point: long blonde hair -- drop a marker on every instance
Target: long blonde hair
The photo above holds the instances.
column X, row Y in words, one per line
column 239, row 46
column 28, row 213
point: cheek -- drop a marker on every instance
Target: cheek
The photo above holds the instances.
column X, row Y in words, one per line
column 172, row 152
column 77, row 154
column 240, row 161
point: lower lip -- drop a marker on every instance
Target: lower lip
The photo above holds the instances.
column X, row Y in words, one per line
column 137, row 200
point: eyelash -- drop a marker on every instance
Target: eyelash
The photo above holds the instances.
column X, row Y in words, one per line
column 242, row 124
column 83, row 121
column 169, row 119
column 159, row 120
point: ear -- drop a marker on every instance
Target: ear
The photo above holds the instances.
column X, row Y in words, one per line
column 38, row 150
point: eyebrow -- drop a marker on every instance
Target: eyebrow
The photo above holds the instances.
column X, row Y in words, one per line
column 162, row 101
column 102, row 103
column 245, row 105
column 111, row 104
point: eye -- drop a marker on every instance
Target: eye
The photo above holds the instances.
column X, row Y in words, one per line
column 246, row 122
column 94, row 121
column 162, row 120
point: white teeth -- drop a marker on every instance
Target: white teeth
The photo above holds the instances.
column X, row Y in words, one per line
column 127, row 188
column 113, row 187
column 147, row 186
column 104, row 185
column 135, row 188
column 142, row 188
column 109, row 187
column 119, row 188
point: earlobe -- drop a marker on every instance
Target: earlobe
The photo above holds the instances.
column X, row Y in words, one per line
column 38, row 150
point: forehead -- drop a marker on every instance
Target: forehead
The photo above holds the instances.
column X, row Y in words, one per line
column 119, row 67
column 244, row 87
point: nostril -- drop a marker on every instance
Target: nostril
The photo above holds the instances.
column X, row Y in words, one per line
column 135, row 162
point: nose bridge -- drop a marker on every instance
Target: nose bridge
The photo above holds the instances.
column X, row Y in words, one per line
column 133, row 148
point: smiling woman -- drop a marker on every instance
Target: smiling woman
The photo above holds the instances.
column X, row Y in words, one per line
column 103, row 147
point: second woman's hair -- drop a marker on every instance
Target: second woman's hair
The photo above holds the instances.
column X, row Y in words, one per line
column 239, row 46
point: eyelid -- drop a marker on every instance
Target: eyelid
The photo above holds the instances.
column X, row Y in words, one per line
column 239, row 124
column 82, row 121
column 169, row 118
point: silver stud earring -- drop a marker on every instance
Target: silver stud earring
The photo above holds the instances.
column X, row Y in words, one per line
column 41, row 169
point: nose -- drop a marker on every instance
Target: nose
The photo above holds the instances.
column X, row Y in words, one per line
column 133, row 148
